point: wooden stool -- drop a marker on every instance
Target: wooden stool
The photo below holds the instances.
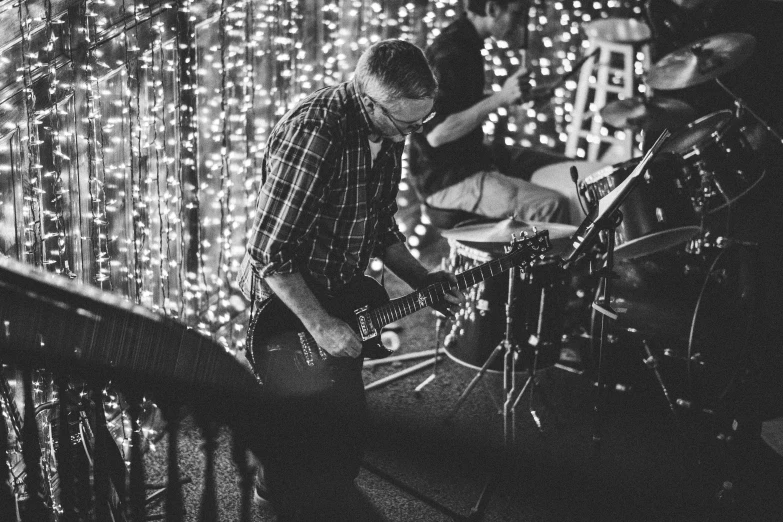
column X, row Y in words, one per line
column 617, row 40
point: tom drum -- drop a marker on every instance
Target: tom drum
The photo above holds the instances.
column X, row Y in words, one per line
column 538, row 307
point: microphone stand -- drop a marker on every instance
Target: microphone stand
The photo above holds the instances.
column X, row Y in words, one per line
column 603, row 306
column 602, row 221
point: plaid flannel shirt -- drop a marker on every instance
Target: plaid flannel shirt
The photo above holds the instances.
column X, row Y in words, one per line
column 324, row 208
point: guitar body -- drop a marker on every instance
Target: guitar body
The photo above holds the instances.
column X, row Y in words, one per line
column 286, row 358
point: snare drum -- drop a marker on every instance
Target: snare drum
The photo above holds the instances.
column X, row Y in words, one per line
column 657, row 214
column 718, row 148
column 538, row 307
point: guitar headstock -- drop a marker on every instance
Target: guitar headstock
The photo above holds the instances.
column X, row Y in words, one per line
column 528, row 247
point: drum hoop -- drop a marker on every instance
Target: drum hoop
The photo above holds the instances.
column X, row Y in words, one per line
column 692, row 365
column 597, row 176
column 740, row 195
column 620, row 249
column 471, row 252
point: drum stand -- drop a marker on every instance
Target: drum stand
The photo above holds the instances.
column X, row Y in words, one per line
column 510, row 350
column 510, row 355
column 602, row 305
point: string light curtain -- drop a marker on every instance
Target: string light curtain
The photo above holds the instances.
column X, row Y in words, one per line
column 133, row 130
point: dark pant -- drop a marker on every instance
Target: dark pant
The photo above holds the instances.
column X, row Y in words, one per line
column 312, row 444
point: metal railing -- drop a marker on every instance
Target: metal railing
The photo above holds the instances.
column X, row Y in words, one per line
column 65, row 346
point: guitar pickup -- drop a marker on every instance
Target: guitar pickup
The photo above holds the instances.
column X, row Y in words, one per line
column 310, row 349
column 367, row 329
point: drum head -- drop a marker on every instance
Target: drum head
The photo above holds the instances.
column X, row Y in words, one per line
column 702, row 131
column 655, row 242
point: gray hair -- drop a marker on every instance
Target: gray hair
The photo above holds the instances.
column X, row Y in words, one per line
column 394, row 69
column 479, row 7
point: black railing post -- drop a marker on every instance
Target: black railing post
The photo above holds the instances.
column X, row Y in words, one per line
column 239, row 451
column 65, row 462
column 209, row 429
column 35, row 507
column 137, row 493
column 7, row 501
column 100, row 468
column 175, row 510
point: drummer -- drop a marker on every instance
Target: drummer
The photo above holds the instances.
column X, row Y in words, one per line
column 451, row 167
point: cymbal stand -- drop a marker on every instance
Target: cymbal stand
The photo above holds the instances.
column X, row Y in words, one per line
column 602, row 305
column 438, row 326
column 741, row 105
column 532, row 380
column 439, row 321
column 506, row 346
column 510, row 351
column 696, row 244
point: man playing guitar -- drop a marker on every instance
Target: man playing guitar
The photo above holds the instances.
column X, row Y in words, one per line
column 331, row 169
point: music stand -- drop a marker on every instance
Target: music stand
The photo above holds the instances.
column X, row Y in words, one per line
column 603, row 219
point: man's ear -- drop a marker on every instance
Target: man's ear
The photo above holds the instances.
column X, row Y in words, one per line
column 368, row 102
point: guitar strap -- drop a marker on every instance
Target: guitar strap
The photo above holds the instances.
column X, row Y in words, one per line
column 251, row 327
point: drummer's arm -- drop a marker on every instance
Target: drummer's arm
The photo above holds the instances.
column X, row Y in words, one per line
column 459, row 124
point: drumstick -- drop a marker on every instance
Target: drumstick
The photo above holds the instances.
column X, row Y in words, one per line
column 563, row 77
column 578, row 65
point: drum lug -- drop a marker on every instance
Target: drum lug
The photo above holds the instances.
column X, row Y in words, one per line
column 673, row 354
column 697, row 358
column 719, row 276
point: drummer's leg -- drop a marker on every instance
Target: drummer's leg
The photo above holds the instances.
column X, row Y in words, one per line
column 495, row 195
column 524, row 161
column 502, row 196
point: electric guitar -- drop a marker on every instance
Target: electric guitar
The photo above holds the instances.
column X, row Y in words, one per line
column 286, row 358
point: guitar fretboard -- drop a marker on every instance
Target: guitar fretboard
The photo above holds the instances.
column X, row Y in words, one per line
column 433, row 294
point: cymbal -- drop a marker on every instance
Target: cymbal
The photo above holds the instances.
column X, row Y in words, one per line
column 657, row 113
column 701, row 61
column 500, row 232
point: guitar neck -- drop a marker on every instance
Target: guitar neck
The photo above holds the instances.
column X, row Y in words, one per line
column 435, row 293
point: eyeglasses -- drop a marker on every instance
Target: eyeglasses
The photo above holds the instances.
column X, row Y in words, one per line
column 413, row 126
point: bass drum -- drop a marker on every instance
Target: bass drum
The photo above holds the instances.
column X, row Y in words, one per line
column 698, row 311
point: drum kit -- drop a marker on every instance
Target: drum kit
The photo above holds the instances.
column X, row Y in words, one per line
column 684, row 289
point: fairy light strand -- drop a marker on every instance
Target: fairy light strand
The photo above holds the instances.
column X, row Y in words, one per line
column 35, row 247
column 192, row 187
